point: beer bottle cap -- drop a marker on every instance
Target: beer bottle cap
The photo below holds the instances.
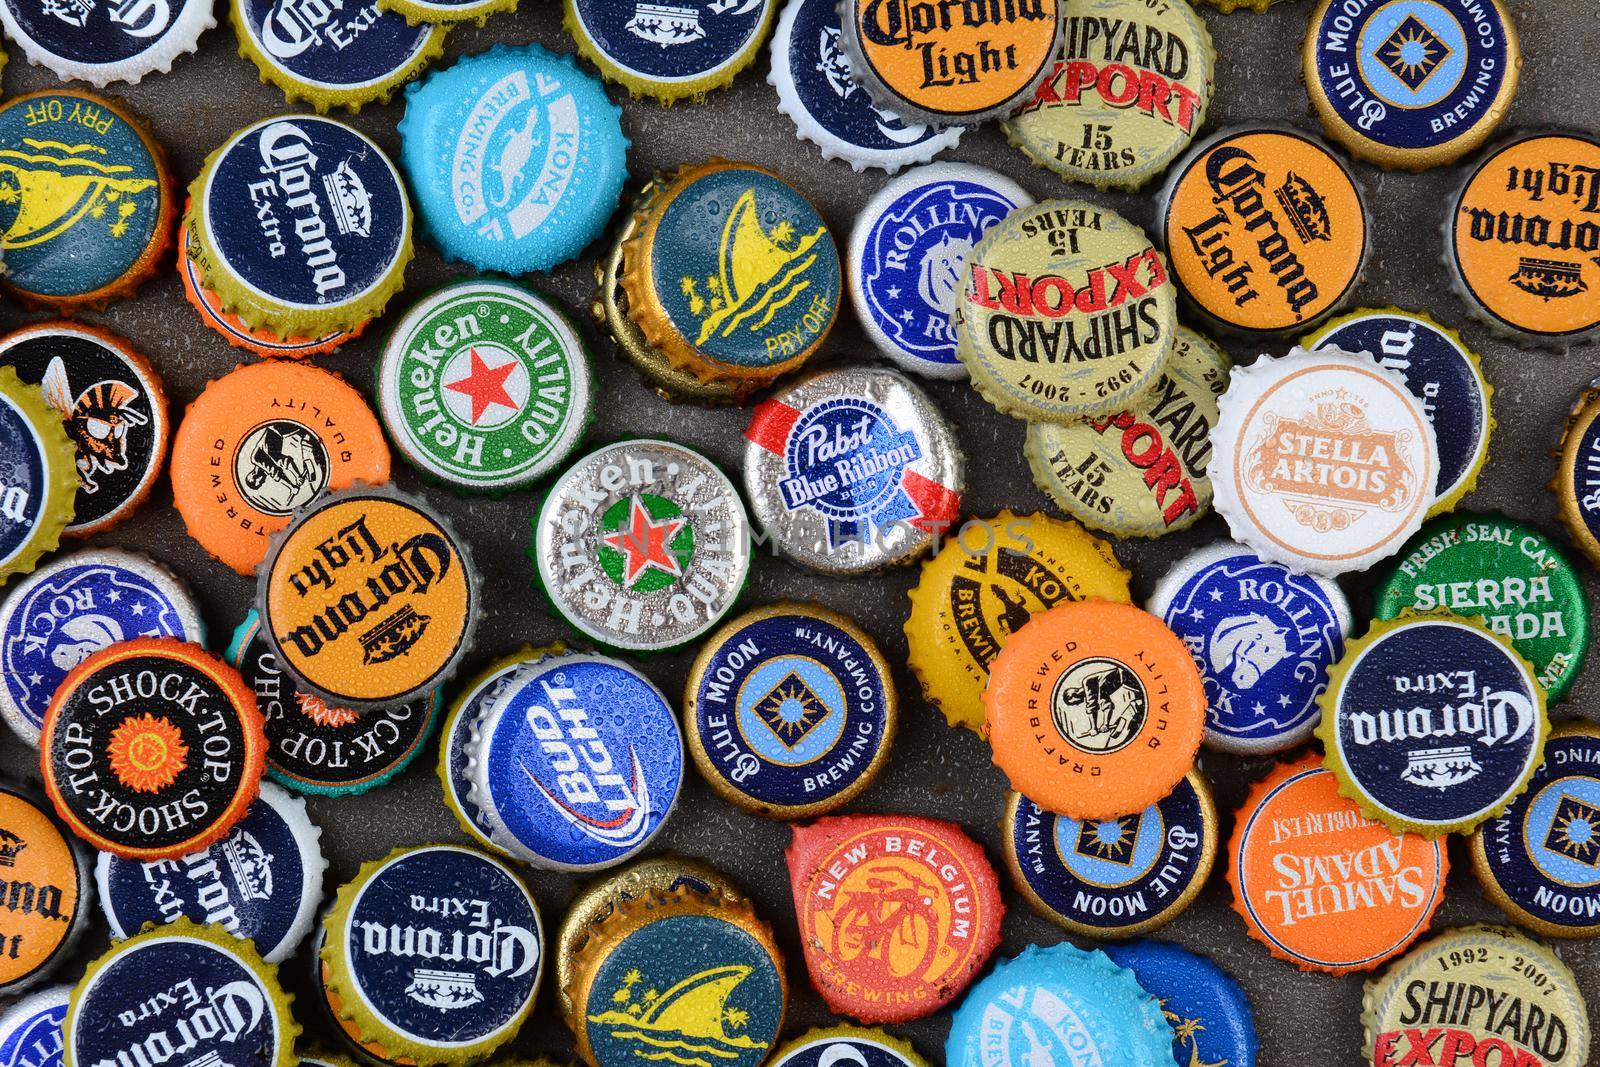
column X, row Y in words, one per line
column 104, row 43
column 263, row 441
column 30, row 1030
column 1206, row 1007
column 1095, row 709
column 669, row 53
column 1576, row 484
column 1228, row 7
column 859, row 1046
column 1066, row 311
column 42, row 854
column 447, row 13
column 41, row 475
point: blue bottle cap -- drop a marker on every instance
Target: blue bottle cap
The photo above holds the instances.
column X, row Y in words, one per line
column 30, row 1030
column 669, row 51
column 1209, row 1013
column 1263, row 637
column 577, row 764
column 100, row 43
column 516, row 157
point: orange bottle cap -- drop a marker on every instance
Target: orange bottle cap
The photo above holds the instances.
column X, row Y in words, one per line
column 41, row 855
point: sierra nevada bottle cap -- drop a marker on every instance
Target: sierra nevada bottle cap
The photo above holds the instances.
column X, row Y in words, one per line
column 858, row 1046
column 42, row 926
column 1066, row 311
column 30, row 1030
column 103, row 43
column 1209, row 1013
column 1577, row 481
column 669, row 53
column 38, row 479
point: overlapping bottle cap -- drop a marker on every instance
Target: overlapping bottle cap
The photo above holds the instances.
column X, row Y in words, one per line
column 104, row 43
column 41, row 936
column 667, row 52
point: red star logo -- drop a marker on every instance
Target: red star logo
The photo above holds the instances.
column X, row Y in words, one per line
column 485, row 385
column 645, row 544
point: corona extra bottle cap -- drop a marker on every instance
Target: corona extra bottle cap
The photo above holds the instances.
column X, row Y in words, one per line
column 790, row 711
column 1323, row 461
column 104, row 43
column 30, row 1030
column 735, row 221
column 41, row 936
column 317, row 748
column 1058, row 1002
column 908, row 258
column 71, row 608
column 115, row 411
column 1513, row 238
column 853, row 470
column 1126, row 96
column 1398, row 727
column 1140, row 472
column 1477, row 992
column 38, row 473
column 83, row 249
column 1263, row 638
column 291, row 264
column 1414, row 86
column 517, row 158
column 485, row 385
column 1066, row 311
column 447, row 13
column 838, row 1046
column 1540, row 860
column 399, row 999
column 665, row 52
column 1095, row 709
column 988, row 578
column 1122, row 877
column 368, row 599
column 817, row 88
column 262, row 883
column 1267, row 229
column 263, row 441
column 1517, row 579
column 642, row 545
column 535, row 803
column 1577, row 481
column 1206, row 1007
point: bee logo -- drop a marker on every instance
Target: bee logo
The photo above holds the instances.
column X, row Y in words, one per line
column 97, row 420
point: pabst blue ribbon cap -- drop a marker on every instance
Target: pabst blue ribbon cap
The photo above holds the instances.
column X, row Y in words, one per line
column 104, row 43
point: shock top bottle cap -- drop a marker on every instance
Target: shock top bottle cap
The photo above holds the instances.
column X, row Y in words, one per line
column 107, row 43
column 39, row 939
column 37, row 468
column 858, row 1046
column 1209, row 1013
column 669, row 53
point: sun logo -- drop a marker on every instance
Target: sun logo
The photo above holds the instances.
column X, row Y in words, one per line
column 317, row 710
column 147, row 753
column 1413, row 52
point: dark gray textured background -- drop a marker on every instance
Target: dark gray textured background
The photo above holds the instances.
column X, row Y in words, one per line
column 934, row 770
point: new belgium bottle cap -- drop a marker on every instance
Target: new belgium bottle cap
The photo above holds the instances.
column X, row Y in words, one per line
column 669, row 53
column 104, row 43
column 40, row 475
column 56, row 865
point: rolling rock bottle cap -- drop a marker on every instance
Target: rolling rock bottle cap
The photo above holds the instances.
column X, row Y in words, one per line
column 855, row 1046
column 115, row 411
column 1142, row 471
column 72, row 250
column 1413, row 86
column 262, row 883
column 71, row 608
column 897, row 913
column 38, row 479
column 852, row 470
column 1577, row 481
column 99, row 44
column 908, row 257
column 1323, row 461
column 1263, row 638
column 1432, row 723
column 1126, row 97
column 1266, row 228
column 1113, row 877
column 42, row 927
column 485, row 386
column 790, row 711
column 517, row 158
column 289, row 263
column 1481, row 993
column 669, row 53
column 1208, row 1011
column 547, row 765
column 30, row 1030
column 393, row 970
column 1095, row 709
column 263, row 441
column 1066, row 311
column 1509, row 573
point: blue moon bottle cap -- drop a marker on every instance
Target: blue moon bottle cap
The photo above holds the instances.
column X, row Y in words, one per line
column 907, row 262
column 30, row 1030
column 669, row 52
column 1209, row 1013
column 516, row 157
column 578, row 763
column 122, row 41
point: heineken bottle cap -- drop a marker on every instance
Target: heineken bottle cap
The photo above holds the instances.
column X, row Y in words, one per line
column 1209, row 1012
column 30, row 1030
column 447, row 13
column 104, row 43
column 38, row 471
column 40, row 937
column 669, row 53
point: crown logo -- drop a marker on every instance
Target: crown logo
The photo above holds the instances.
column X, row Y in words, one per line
column 251, row 865
column 10, row 846
column 1307, row 211
column 351, row 203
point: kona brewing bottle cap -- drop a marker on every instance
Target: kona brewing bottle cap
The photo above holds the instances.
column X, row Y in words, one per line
column 30, row 1030
column 669, row 53
column 100, row 44
column 1210, row 1015
column 859, row 1046
column 41, row 935
column 38, row 472
column 1577, row 481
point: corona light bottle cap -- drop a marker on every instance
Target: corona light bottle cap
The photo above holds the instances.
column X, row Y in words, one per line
column 669, row 53
column 790, row 711
column 1323, row 461
column 1207, row 1008
column 263, row 441
column 853, row 470
column 40, row 938
column 83, row 250
column 856, row 1046
column 398, row 997
column 290, row 264
column 104, row 43
column 1540, row 860
column 1122, row 877
column 30, row 1030
column 1066, row 311
column 1095, row 709
column 532, row 800
column 988, row 578
column 517, row 158
column 1126, row 96
column 1514, row 238
column 1413, row 86
column 485, row 386
column 1267, row 229
column 1577, row 481
column 1400, row 734
column 38, row 472
column 908, row 258
column 731, row 273
column 1263, row 638
column 71, row 608
column 1477, row 992
column 1140, row 472
column 115, row 411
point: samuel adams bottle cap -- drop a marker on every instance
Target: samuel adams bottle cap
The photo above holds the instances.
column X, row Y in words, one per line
column 43, row 925
column 668, row 52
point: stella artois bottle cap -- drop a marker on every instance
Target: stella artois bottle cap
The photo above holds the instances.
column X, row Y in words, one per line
column 80, row 40
column 36, row 504
column 669, row 52
column 45, row 927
